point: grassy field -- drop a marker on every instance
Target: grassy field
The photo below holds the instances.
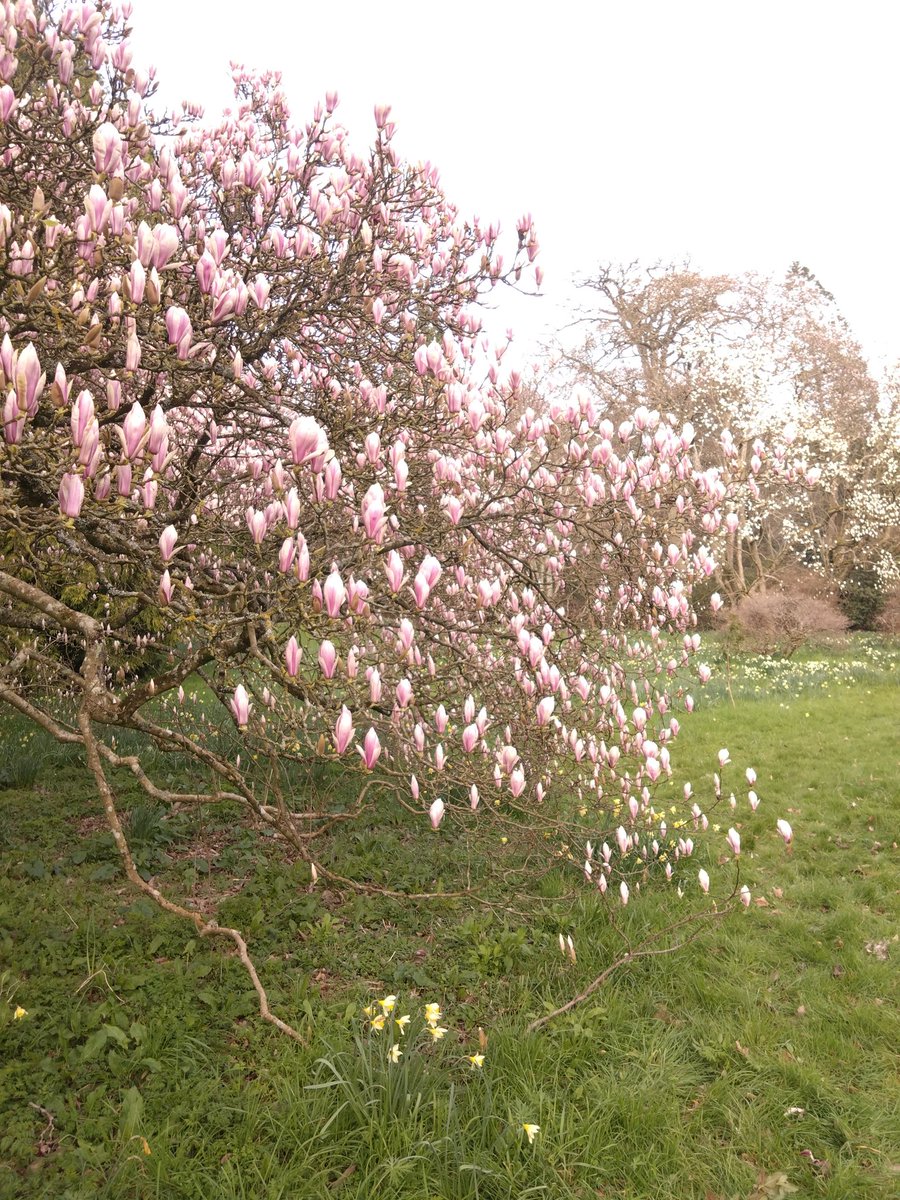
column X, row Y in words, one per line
column 760, row 1061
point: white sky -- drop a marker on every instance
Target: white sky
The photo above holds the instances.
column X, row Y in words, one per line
column 746, row 135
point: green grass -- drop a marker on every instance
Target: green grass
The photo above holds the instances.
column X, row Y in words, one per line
column 672, row 1080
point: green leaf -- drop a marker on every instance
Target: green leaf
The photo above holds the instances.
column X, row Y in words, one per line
column 94, row 1045
column 132, row 1112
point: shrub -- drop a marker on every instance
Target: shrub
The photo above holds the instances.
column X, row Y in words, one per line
column 782, row 622
column 862, row 598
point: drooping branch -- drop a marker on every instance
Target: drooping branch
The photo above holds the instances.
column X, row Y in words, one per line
column 204, row 928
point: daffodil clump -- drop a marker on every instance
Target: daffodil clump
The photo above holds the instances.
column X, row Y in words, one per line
column 382, row 1017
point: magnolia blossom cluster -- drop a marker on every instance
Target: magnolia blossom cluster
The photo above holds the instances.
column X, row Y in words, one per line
column 253, row 430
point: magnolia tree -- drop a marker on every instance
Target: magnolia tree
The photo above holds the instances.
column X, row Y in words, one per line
column 271, row 501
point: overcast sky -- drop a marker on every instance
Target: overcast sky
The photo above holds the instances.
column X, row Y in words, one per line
column 745, row 135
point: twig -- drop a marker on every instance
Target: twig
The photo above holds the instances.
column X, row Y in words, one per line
column 630, row 956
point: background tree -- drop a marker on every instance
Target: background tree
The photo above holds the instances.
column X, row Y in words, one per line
column 765, row 360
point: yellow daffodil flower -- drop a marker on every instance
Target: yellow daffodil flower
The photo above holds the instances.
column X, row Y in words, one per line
column 20, row 1013
column 433, row 1013
column 388, row 1004
column 369, row 1010
column 377, row 1023
column 401, row 1023
column 437, row 1032
column 395, row 1052
column 531, row 1131
column 477, row 1060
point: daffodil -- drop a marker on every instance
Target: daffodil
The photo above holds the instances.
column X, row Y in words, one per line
column 437, row 1032
column 145, row 1146
column 369, row 1010
column 531, row 1131
column 433, row 1013
column 20, row 1013
column 388, row 1004
column 401, row 1023
column 395, row 1052
column 377, row 1023
column 477, row 1060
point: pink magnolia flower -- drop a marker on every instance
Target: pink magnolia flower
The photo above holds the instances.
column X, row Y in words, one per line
column 97, row 207
column 703, row 879
column 308, row 441
column 785, row 830
column 470, row 738
column 241, row 706
column 393, row 566
column 436, row 813
column 13, row 420
column 302, row 564
column 734, row 841
column 257, row 524
column 343, row 730
column 108, row 146
column 327, row 658
column 371, row 749
column 286, row 555
column 372, row 510
column 29, row 380
column 132, row 350
column 167, row 540
column 82, row 416
column 332, row 479
column 334, row 593
column 71, row 495
column 421, row 590
column 165, row 587
column 292, row 655
column 8, row 103
column 178, row 327
column 430, row 570
column 133, row 429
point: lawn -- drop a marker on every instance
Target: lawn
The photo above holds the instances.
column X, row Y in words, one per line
column 759, row 1061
